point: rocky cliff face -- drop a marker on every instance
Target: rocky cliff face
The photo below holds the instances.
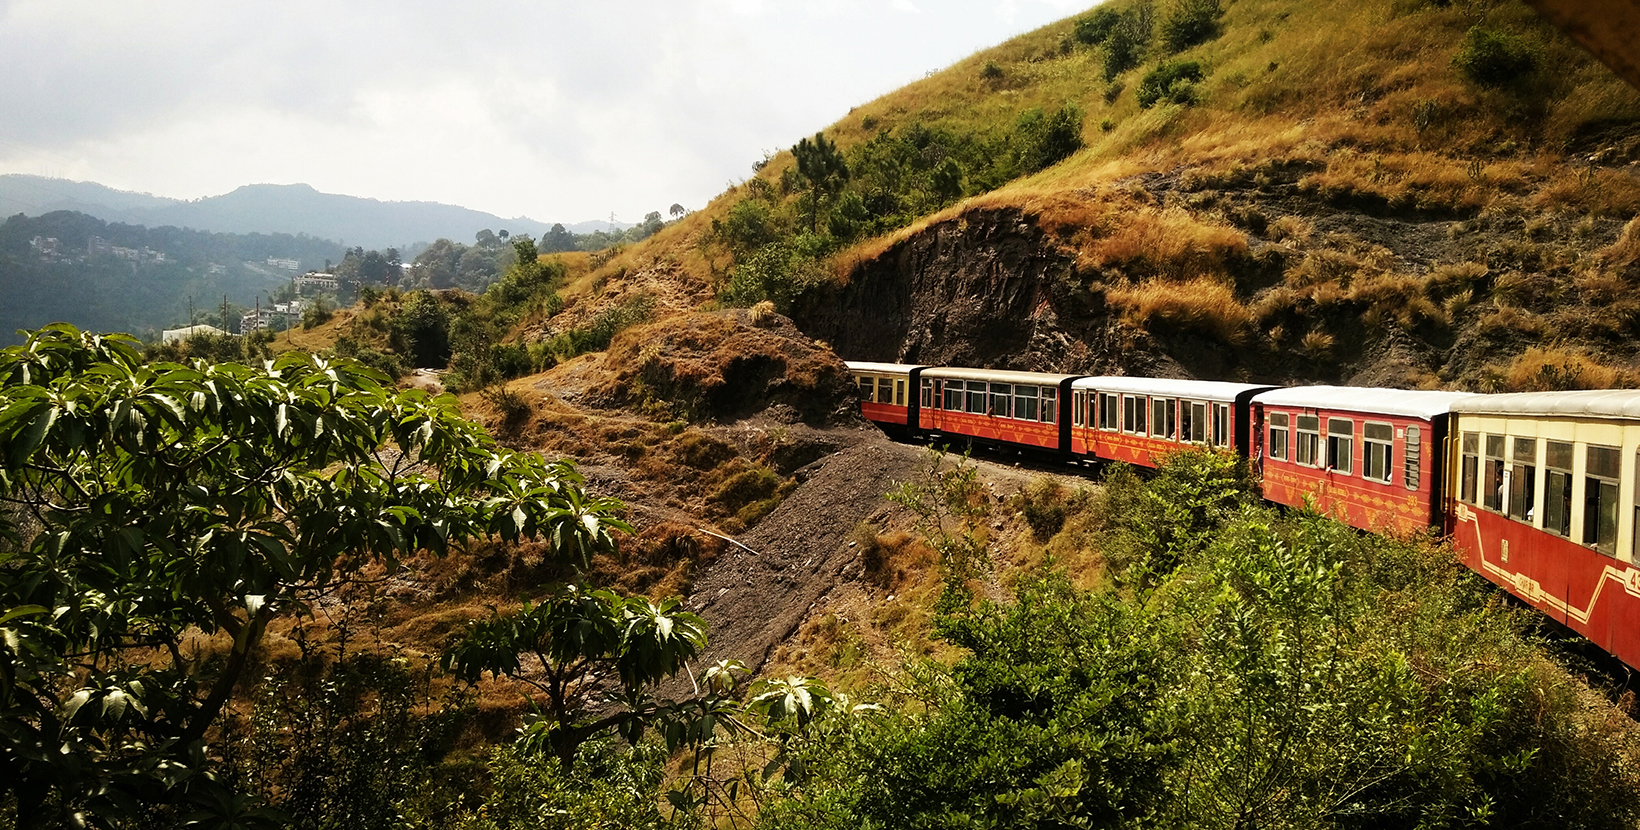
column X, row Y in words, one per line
column 985, row 289
column 1315, row 289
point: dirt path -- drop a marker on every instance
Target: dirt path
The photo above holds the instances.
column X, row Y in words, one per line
column 753, row 602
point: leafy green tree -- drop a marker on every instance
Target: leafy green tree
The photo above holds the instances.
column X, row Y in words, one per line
column 1126, row 44
column 1190, row 22
column 1096, row 28
column 823, row 168
column 557, row 240
column 572, row 634
column 146, row 505
column 422, row 329
column 1172, row 81
column 1046, row 140
column 439, row 264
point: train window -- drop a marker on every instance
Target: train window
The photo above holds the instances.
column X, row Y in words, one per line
column 1412, row 454
column 1002, row 401
column 1221, row 425
column 1108, row 404
column 1309, row 437
column 868, row 389
column 1523, row 479
column 1600, row 498
column 953, row 395
column 1340, row 444
column 1164, row 418
column 1470, row 467
column 976, row 397
column 1079, row 400
column 1050, row 405
column 1377, row 445
column 928, row 393
column 885, row 390
column 1557, row 487
column 1492, row 483
column 1026, row 408
column 1133, row 414
column 1196, row 425
column 1277, row 448
column 899, row 393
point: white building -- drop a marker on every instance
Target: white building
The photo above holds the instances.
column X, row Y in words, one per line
column 173, row 335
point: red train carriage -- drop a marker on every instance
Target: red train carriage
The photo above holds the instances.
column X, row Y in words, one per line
column 886, row 395
column 1543, row 501
column 1371, row 457
column 998, row 407
column 1139, row 420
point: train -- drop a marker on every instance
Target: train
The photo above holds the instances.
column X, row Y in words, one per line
column 1536, row 490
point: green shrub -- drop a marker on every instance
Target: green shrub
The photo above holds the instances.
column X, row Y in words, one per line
column 1493, row 58
column 1172, row 81
column 1189, row 23
column 1045, row 140
column 1126, row 44
column 1097, row 27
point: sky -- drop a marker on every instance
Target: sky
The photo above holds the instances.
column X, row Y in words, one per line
column 560, row 111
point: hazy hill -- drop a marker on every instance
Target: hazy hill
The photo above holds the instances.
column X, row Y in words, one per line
column 271, row 208
column 70, row 267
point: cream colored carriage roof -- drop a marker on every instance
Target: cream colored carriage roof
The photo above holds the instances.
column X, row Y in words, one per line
column 1407, row 403
column 881, row 368
column 1204, row 390
column 1594, row 403
column 995, row 375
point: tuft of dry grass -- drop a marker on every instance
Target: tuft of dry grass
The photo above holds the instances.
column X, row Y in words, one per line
column 1171, row 243
column 1558, row 368
column 1623, row 254
column 1205, row 306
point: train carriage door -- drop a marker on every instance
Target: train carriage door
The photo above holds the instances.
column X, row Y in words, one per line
column 1523, row 480
column 1557, row 487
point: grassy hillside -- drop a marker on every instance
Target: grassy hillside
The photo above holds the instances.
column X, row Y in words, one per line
column 1306, row 183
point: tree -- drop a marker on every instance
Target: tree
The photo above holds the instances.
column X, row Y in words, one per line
column 149, row 505
column 557, row 240
column 677, row 210
column 820, row 165
column 572, row 634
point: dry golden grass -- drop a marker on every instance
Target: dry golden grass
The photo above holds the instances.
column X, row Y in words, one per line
column 1555, row 368
column 1625, row 252
column 1396, row 296
column 1201, row 305
column 1170, row 243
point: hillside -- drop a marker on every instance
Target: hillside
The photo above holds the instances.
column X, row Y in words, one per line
column 70, row 267
column 1408, row 193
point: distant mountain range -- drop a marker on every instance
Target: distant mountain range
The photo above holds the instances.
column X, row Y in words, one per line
column 273, row 208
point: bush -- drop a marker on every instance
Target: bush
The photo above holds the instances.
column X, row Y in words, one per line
column 1493, row 58
column 1096, row 28
column 1048, row 140
column 1127, row 42
column 1172, row 81
column 1191, row 22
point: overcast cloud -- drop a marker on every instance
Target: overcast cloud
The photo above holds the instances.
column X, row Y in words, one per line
column 559, row 111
